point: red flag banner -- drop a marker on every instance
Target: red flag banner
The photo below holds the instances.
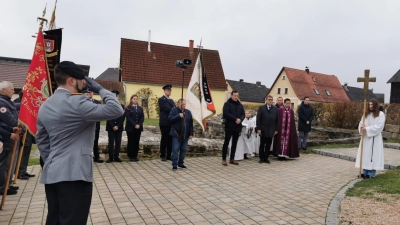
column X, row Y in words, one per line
column 36, row 89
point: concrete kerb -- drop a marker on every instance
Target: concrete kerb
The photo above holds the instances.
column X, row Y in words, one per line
column 332, row 214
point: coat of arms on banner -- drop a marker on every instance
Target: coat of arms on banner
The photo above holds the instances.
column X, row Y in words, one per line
column 196, row 90
column 49, row 45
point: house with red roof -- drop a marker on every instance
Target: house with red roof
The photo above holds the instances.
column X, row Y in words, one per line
column 152, row 65
column 296, row 84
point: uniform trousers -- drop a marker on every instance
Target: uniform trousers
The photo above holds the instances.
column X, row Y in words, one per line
column 114, row 136
column 166, row 142
column 133, row 143
column 68, row 202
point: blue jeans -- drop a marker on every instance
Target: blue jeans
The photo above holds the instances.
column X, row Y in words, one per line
column 181, row 147
column 371, row 173
column 302, row 140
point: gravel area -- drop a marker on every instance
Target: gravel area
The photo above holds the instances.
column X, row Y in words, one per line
column 355, row 210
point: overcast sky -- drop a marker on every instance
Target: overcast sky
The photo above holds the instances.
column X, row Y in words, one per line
column 255, row 39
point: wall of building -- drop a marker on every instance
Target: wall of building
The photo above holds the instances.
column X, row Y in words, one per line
column 283, row 82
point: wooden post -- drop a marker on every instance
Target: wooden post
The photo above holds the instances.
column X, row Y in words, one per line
column 21, row 150
column 3, row 200
column 366, row 79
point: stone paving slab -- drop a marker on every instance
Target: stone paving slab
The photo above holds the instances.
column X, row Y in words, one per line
column 149, row 192
column 392, row 156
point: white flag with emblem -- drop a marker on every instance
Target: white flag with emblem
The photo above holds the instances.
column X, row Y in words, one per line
column 198, row 96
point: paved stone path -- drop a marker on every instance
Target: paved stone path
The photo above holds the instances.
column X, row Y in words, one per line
column 392, row 156
column 149, row 192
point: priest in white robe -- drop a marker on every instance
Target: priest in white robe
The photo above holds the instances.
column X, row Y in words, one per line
column 245, row 144
column 373, row 157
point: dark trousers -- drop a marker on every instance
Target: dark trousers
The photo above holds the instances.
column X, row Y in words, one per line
column 265, row 146
column 96, row 144
column 4, row 163
column 166, row 142
column 228, row 136
column 68, row 202
column 114, row 136
column 23, row 167
column 133, row 144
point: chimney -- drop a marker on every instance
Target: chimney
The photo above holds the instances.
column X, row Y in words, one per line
column 258, row 83
column 241, row 80
column 191, row 43
column 148, row 47
column 307, row 70
column 345, row 86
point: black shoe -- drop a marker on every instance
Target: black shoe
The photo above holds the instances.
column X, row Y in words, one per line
column 98, row 160
column 23, row 177
column 132, row 160
column 10, row 192
column 174, row 168
column 304, row 148
column 169, row 159
column 261, row 161
column 15, row 188
column 117, row 160
column 163, row 159
column 183, row 167
column 267, row 161
column 110, row 160
column 245, row 156
column 29, row 175
column 137, row 159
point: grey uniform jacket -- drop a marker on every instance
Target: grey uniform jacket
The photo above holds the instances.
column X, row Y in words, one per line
column 65, row 134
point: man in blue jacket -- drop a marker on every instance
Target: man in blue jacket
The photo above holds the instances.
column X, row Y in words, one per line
column 181, row 131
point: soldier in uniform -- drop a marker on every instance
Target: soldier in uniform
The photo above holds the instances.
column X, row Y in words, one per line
column 134, row 127
column 8, row 116
column 89, row 94
column 165, row 104
column 65, row 127
column 114, row 128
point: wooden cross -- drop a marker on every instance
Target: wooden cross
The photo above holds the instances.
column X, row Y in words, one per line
column 366, row 79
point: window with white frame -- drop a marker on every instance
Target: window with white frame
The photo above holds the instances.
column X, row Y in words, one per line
column 286, row 91
column 144, row 102
column 279, row 91
column 283, row 77
column 316, row 91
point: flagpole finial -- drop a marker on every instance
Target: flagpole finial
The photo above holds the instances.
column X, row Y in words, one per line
column 42, row 19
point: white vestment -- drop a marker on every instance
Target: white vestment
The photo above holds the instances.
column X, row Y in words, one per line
column 373, row 157
column 245, row 144
column 256, row 139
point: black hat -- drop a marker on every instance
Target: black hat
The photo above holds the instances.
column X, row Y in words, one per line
column 71, row 69
column 116, row 92
column 167, row 87
column 86, row 89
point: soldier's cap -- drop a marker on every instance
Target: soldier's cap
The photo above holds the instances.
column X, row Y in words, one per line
column 167, row 87
column 116, row 92
column 86, row 89
column 71, row 69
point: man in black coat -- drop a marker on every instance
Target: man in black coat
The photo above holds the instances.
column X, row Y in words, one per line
column 115, row 128
column 306, row 116
column 267, row 127
column 165, row 104
column 233, row 113
column 89, row 94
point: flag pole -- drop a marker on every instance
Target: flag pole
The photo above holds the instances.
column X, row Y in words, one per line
column 3, row 200
column 21, row 150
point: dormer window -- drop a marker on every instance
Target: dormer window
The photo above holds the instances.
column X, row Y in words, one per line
column 328, row 93
column 316, row 91
column 314, row 79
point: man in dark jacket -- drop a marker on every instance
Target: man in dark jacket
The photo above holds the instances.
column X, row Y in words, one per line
column 233, row 113
column 8, row 116
column 306, row 116
column 165, row 104
column 115, row 128
column 181, row 131
column 267, row 127
column 89, row 94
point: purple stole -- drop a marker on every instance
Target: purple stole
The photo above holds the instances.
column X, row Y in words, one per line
column 285, row 133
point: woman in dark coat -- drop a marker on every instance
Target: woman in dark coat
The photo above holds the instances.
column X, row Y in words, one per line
column 134, row 127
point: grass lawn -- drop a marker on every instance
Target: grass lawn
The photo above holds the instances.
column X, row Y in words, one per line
column 149, row 122
column 387, row 183
column 34, row 161
column 392, row 140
